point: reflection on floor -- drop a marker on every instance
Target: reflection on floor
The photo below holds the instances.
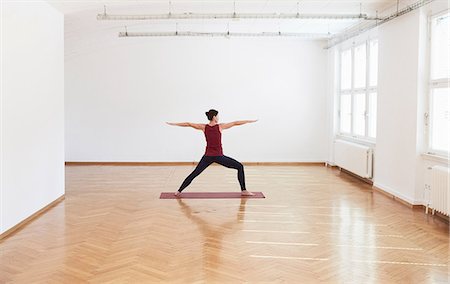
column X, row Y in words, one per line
column 315, row 225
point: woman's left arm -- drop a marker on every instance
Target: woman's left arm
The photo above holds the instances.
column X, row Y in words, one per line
column 236, row 123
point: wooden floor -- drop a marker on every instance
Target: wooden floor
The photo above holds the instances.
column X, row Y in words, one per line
column 316, row 225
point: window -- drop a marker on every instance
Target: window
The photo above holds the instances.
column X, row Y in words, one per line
column 358, row 90
column 346, row 113
column 360, row 67
column 346, row 70
column 359, row 114
column 439, row 101
column 440, row 120
column 372, row 114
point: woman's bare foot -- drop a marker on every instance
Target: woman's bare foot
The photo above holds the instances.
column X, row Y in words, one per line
column 246, row 193
column 177, row 194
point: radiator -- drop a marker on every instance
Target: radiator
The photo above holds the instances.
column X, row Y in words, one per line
column 439, row 197
column 353, row 157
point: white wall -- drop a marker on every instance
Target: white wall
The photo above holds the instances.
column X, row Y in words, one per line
column 397, row 106
column 332, row 100
column 118, row 99
column 32, row 109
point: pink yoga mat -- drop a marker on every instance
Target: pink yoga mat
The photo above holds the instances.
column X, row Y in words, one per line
column 208, row 195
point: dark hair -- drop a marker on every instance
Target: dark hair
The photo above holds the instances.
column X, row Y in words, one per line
column 211, row 113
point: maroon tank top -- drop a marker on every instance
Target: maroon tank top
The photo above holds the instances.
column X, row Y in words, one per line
column 213, row 140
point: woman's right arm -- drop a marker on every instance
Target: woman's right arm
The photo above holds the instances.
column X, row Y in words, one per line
column 198, row 126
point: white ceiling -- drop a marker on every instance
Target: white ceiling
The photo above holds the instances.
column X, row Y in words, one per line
column 217, row 6
column 84, row 33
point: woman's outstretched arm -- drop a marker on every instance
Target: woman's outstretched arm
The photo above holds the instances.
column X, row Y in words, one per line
column 198, row 126
column 235, row 123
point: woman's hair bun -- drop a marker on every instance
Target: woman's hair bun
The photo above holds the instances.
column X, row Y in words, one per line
column 211, row 113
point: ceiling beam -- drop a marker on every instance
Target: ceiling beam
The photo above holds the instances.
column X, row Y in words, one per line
column 223, row 34
column 230, row 16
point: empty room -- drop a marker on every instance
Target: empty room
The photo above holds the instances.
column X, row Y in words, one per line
column 221, row 141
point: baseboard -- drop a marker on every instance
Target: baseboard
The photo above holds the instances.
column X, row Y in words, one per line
column 365, row 180
column 442, row 217
column 20, row 226
column 321, row 164
column 130, row 163
column 396, row 196
column 189, row 163
column 330, row 165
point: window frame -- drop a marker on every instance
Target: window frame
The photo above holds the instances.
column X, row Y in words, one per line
column 433, row 84
column 367, row 90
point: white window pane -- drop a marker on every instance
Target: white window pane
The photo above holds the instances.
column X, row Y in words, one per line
column 440, row 119
column 373, row 65
column 359, row 117
column 373, row 115
column 346, row 69
column 360, row 66
column 440, row 47
column 346, row 113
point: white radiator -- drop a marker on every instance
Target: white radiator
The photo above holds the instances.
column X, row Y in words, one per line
column 353, row 157
column 439, row 189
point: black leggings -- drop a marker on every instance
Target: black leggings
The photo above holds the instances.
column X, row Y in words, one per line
column 221, row 160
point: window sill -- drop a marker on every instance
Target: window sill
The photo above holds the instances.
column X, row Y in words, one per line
column 361, row 141
column 436, row 158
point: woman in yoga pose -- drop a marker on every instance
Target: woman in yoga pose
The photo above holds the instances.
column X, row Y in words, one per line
column 214, row 153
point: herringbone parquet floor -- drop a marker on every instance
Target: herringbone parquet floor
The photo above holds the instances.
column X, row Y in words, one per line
column 316, row 225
